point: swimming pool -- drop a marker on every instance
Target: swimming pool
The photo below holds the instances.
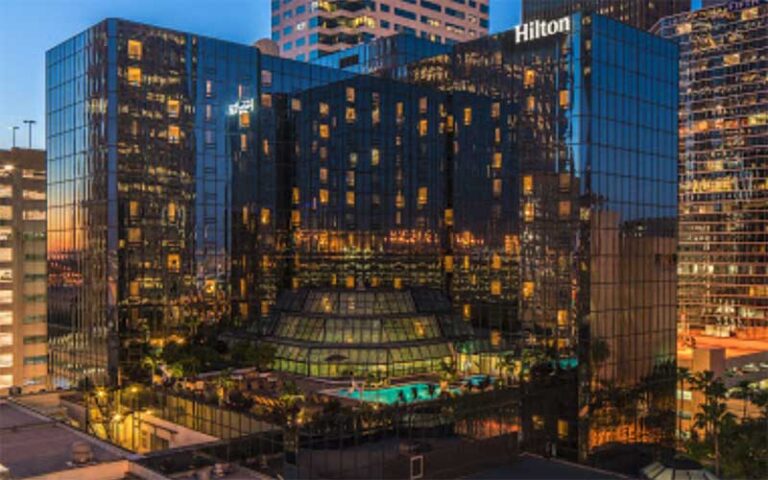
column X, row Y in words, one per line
column 476, row 380
column 406, row 393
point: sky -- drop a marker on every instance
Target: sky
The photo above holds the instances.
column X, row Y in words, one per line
column 30, row 27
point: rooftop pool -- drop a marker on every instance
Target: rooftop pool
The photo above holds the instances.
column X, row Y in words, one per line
column 406, row 393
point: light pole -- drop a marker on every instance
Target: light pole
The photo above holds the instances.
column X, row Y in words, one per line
column 13, row 129
column 30, row 123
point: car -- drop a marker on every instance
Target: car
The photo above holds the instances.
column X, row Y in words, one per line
column 750, row 368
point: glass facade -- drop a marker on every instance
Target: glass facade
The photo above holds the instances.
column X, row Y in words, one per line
column 593, row 116
column 639, row 14
column 389, row 333
column 533, row 183
column 723, row 265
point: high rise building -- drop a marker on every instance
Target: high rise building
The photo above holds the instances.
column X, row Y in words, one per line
column 723, row 262
column 23, row 336
column 530, row 176
column 594, row 109
column 642, row 14
column 306, row 30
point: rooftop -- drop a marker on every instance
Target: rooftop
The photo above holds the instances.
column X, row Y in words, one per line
column 35, row 445
column 533, row 467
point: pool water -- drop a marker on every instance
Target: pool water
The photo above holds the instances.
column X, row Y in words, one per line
column 394, row 394
column 476, row 380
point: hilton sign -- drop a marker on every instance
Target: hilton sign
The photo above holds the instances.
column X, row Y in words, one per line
column 541, row 28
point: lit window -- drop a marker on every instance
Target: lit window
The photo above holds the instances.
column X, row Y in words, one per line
column 353, row 159
column 374, row 157
column 528, row 212
column 134, row 235
column 324, row 131
column 351, row 178
column 528, row 288
column 174, row 134
column 448, row 263
column 6, row 254
column 423, row 105
column 134, row 49
column 208, row 112
column 134, row 76
column 562, row 429
column 266, row 78
column 565, row 182
column 208, row 88
column 468, row 116
column 243, row 142
column 351, row 199
column 529, row 78
column 265, row 216
column 397, row 283
column 323, row 196
column 350, row 94
column 497, row 135
column 245, row 119
column 423, row 196
column 496, row 261
column 171, row 212
column 527, row 184
column 323, row 175
column 133, row 289
column 496, row 160
column 174, row 262
column 466, row 311
column 562, row 318
column 399, row 200
column 564, row 208
column 565, row 98
column 174, row 107
column 449, row 217
column 133, row 208
column 731, row 59
column 530, row 103
column 324, row 109
column 296, row 105
column 265, row 146
column 350, row 115
column 295, row 218
column 496, row 186
column 495, row 287
column 399, row 111
column 495, row 110
column 6, row 191
column 349, row 282
column 423, row 127
column 295, row 195
column 6, row 212
column 266, row 100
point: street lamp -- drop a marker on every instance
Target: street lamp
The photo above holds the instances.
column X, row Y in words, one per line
column 30, row 123
column 13, row 129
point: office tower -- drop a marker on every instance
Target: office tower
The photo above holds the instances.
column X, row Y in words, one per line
column 23, row 337
column 595, row 140
column 642, row 14
column 723, row 181
column 306, row 30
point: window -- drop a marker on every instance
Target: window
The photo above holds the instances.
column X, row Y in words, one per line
column 350, row 199
column 266, row 100
column 399, row 111
column 423, row 127
column 423, row 105
column 6, row 318
column 34, row 339
column 529, row 212
column 324, row 131
column 6, row 360
column 496, row 186
column 264, row 216
column 6, row 296
column 468, row 116
column 530, row 103
column 350, row 115
column 134, row 76
column 353, row 159
column 174, row 134
column 133, row 289
column 208, row 112
column 34, row 214
column 565, row 98
column 243, row 142
column 134, row 235
column 171, row 212
column 324, row 109
column 423, row 196
column 528, row 288
column 495, row 110
column 133, row 208
column 296, row 105
column 495, row 287
column 6, row 191
column 374, row 157
column 6, row 212
column 529, row 77
column 34, row 195
column 174, row 262
column 323, row 196
column 564, row 208
column 36, row 360
column 6, row 254
column 134, row 49
column 323, row 175
column 208, row 88
column 295, row 195
column 350, row 94
column 496, row 163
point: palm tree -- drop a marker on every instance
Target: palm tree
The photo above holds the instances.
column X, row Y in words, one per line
column 683, row 376
column 152, row 361
column 744, row 391
column 223, row 383
column 714, row 411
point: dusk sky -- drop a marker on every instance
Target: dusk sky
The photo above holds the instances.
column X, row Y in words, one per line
column 30, row 27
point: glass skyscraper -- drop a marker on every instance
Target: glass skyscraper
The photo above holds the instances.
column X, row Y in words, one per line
column 531, row 178
column 723, row 179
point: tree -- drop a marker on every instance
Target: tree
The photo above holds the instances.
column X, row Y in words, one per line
column 713, row 412
column 744, row 392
